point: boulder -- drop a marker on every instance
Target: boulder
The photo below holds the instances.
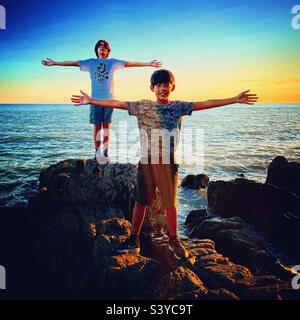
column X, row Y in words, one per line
column 195, row 217
column 273, row 210
column 284, row 174
column 81, row 212
column 194, row 181
column 236, row 241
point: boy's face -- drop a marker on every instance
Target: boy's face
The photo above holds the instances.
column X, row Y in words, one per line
column 162, row 91
column 102, row 51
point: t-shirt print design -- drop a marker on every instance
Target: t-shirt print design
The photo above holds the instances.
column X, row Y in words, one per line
column 101, row 74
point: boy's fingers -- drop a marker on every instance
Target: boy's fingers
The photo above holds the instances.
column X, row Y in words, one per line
column 82, row 92
column 76, row 96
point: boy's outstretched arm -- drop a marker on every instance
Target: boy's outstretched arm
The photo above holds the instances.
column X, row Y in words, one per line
column 50, row 62
column 153, row 63
column 242, row 97
column 86, row 99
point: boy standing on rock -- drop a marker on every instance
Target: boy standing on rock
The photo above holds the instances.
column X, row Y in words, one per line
column 157, row 166
column 101, row 73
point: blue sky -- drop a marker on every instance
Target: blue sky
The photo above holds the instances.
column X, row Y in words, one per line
column 185, row 35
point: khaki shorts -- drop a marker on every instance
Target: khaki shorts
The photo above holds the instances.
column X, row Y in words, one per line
column 163, row 176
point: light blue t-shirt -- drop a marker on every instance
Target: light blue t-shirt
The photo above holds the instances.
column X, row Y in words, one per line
column 102, row 75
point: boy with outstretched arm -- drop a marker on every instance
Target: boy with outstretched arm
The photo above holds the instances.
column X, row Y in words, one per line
column 157, row 166
column 101, row 73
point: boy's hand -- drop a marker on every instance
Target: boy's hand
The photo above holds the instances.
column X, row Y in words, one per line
column 80, row 100
column 243, row 97
column 155, row 64
column 48, row 62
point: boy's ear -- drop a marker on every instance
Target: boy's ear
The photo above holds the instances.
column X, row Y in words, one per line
column 151, row 88
column 173, row 88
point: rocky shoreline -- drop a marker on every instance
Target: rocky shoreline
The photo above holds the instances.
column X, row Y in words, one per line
column 61, row 245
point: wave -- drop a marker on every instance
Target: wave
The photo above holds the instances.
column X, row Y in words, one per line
column 9, row 185
column 22, row 138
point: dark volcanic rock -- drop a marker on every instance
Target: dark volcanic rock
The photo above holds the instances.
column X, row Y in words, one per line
column 195, row 217
column 273, row 210
column 284, row 174
column 195, row 181
column 235, row 240
column 67, row 236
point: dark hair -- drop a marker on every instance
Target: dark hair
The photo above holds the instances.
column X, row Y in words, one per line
column 162, row 76
column 106, row 46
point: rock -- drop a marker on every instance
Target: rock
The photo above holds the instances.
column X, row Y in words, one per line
column 76, row 182
column 210, row 226
column 236, row 241
column 82, row 212
column 284, row 174
column 195, row 181
column 178, row 281
column 274, row 211
column 264, row 288
column 195, row 217
column 127, row 276
column 243, row 248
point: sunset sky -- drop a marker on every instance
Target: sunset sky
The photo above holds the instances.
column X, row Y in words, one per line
column 215, row 49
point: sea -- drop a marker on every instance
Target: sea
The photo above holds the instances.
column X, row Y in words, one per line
column 225, row 143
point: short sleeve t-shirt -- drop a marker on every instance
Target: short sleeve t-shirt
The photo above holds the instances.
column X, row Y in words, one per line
column 102, row 75
column 159, row 127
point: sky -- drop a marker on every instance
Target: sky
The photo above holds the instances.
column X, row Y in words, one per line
column 215, row 49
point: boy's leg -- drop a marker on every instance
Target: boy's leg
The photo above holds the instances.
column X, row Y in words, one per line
column 166, row 178
column 143, row 193
column 107, row 116
column 97, row 136
column 106, row 137
column 132, row 244
column 171, row 214
column 174, row 244
column 96, row 118
column 138, row 216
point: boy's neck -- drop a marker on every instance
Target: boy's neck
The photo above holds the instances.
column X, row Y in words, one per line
column 162, row 101
column 101, row 57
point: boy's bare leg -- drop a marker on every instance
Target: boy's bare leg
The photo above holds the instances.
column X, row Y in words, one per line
column 171, row 214
column 138, row 216
column 179, row 251
column 106, row 137
column 97, row 136
column 132, row 244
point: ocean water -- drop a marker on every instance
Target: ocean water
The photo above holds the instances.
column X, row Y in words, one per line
column 224, row 143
